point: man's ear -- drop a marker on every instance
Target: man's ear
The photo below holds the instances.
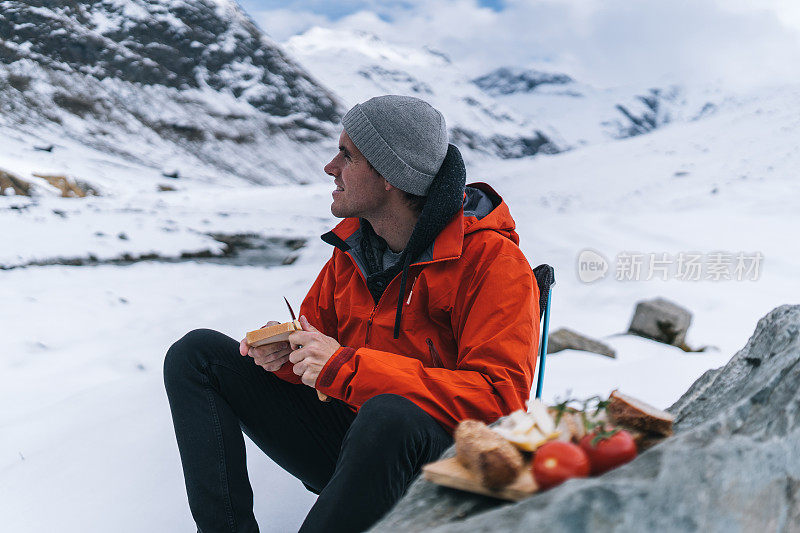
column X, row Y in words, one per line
column 387, row 186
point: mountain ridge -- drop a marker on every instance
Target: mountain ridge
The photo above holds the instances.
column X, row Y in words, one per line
column 197, row 78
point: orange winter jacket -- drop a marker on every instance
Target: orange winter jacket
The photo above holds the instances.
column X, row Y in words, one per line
column 467, row 348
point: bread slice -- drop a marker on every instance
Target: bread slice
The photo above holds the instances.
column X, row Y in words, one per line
column 629, row 412
column 494, row 461
column 269, row 334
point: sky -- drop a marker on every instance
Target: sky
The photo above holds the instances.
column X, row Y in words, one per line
column 740, row 43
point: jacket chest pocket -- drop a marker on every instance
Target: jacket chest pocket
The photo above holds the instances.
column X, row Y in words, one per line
column 428, row 304
column 427, row 320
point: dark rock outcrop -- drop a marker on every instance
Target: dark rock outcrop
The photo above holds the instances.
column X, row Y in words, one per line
column 507, row 80
column 733, row 464
column 504, row 146
column 646, row 112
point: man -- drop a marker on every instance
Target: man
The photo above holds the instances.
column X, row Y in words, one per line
column 426, row 314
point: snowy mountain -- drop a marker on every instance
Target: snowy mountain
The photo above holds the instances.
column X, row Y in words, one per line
column 358, row 65
column 585, row 114
column 189, row 87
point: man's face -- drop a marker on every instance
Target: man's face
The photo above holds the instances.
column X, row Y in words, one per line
column 361, row 191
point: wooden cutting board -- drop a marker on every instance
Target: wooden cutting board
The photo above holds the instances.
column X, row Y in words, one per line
column 450, row 473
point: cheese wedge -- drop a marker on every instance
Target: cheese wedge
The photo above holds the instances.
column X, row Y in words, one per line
column 522, row 423
column 269, row 334
column 528, row 430
column 544, row 421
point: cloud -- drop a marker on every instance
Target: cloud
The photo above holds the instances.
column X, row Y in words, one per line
column 693, row 41
column 280, row 24
column 604, row 42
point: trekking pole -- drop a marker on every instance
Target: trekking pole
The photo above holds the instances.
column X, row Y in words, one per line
column 543, row 346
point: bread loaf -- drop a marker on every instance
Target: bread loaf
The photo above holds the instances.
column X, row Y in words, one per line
column 629, row 412
column 494, row 461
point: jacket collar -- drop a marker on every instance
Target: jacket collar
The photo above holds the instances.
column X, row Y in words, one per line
column 450, row 241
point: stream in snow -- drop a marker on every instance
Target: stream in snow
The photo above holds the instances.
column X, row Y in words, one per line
column 239, row 250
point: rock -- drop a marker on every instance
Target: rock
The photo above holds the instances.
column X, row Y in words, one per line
column 69, row 187
column 563, row 339
column 9, row 183
column 733, row 464
column 661, row 320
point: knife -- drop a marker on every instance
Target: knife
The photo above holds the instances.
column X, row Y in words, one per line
column 322, row 396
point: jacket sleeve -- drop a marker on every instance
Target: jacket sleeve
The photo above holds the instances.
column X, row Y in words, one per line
column 318, row 308
column 495, row 321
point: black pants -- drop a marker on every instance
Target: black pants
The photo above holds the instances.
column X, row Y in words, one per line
column 359, row 464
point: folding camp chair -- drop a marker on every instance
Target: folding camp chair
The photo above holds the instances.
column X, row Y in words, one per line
column 545, row 279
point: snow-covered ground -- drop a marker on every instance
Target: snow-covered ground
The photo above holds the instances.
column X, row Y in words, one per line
column 86, row 441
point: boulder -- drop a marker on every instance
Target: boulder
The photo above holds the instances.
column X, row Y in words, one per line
column 733, row 464
column 563, row 339
column 661, row 320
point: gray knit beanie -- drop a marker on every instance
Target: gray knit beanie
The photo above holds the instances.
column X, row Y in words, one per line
column 403, row 137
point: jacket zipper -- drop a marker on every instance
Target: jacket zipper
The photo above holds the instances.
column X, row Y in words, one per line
column 437, row 361
column 375, row 307
column 369, row 324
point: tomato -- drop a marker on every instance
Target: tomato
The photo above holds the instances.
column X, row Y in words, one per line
column 609, row 452
column 556, row 462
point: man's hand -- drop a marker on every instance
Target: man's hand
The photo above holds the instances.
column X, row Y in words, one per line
column 312, row 349
column 268, row 356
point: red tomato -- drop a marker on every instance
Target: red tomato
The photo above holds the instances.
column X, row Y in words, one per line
column 556, row 462
column 610, row 452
